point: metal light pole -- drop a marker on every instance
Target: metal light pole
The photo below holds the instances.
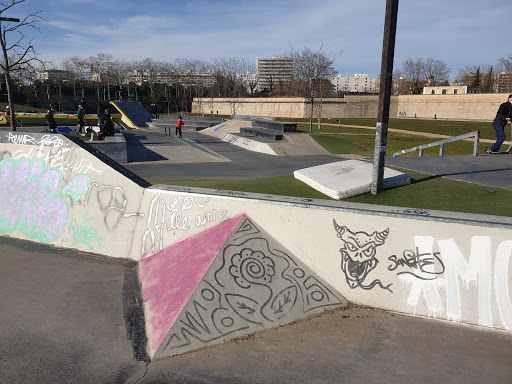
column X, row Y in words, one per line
column 386, row 82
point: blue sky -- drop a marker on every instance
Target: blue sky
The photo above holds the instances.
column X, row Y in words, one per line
column 460, row 33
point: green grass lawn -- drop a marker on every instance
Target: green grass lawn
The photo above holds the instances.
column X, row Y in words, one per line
column 442, row 127
column 425, row 191
column 363, row 144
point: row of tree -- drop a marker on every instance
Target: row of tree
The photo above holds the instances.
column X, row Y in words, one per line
column 415, row 73
column 170, row 85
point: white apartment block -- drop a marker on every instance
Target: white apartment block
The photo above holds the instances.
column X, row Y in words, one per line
column 271, row 72
column 359, row 83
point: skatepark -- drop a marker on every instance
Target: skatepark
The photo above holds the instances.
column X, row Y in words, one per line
column 111, row 279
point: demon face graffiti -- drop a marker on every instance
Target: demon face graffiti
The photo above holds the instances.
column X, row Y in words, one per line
column 358, row 255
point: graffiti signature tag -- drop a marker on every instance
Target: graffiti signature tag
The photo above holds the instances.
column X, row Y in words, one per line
column 424, row 264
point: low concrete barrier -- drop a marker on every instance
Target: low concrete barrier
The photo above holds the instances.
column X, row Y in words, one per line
column 253, row 257
column 114, row 147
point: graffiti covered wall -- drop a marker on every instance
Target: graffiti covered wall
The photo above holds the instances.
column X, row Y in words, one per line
column 434, row 264
column 53, row 191
column 412, row 261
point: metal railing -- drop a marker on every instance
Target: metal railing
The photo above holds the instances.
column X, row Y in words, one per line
column 441, row 143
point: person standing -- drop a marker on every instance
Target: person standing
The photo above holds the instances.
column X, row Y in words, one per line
column 8, row 114
column 179, row 125
column 99, row 113
column 80, row 114
column 50, row 119
column 500, row 121
column 154, row 110
column 83, row 103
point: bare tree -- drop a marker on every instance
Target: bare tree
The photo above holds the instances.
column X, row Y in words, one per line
column 505, row 64
column 419, row 70
column 479, row 78
column 17, row 53
column 311, row 67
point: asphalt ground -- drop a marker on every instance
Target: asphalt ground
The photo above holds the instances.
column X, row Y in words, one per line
column 65, row 317
column 155, row 154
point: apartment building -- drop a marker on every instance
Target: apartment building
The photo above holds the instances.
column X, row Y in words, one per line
column 271, row 72
column 359, row 83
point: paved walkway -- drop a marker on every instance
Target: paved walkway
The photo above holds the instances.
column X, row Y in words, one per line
column 153, row 154
column 65, row 318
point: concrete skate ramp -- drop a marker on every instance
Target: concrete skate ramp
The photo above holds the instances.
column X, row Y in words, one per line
column 237, row 261
column 228, row 281
column 133, row 114
column 61, row 191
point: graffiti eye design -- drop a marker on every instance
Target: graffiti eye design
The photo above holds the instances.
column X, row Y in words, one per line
column 369, row 252
column 351, row 247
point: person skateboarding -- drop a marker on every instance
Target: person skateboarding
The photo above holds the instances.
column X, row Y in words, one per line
column 179, row 125
column 500, row 121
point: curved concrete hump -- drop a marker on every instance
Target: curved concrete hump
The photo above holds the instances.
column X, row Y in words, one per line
column 228, row 281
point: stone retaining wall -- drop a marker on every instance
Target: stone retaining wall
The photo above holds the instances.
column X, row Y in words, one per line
column 468, row 106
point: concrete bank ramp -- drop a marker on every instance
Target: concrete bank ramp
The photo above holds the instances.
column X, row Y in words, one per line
column 133, row 114
column 230, row 126
column 228, row 281
column 293, row 144
column 348, row 178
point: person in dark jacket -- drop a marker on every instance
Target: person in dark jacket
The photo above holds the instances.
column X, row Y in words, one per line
column 107, row 126
column 50, row 119
column 500, row 121
column 80, row 114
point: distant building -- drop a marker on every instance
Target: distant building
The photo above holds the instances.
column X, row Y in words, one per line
column 502, row 82
column 271, row 72
column 452, row 89
column 186, row 78
column 359, row 83
column 54, row 74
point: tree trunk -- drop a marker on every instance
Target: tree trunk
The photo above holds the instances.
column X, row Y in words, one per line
column 311, row 114
column 9, row 101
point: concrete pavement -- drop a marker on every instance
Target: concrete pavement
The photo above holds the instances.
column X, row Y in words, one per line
column 202, row 156
column 490, row 170
column 65, row 318
column 153, row 154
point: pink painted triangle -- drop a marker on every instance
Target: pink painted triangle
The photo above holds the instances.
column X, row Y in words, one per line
column 170, row 276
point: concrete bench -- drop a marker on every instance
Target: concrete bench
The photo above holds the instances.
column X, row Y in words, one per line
column 114, row 147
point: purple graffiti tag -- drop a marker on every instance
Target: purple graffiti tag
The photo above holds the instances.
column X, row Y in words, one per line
column 77, row 187
column 30, row 201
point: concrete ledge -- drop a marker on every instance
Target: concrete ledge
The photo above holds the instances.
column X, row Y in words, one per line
column 263, row 132
column 348, row 178
column 114, row 147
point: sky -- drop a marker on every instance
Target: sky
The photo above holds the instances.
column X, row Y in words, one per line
column 459, row 32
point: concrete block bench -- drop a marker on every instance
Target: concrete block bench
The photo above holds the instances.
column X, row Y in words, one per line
column 114, row 147
column 262, row 132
